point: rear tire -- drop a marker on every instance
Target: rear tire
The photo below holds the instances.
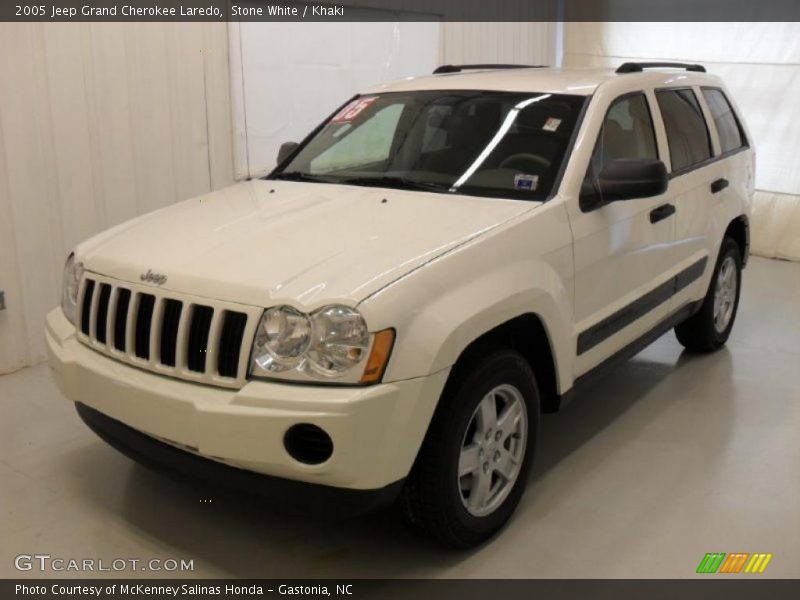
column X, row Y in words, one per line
column 473, row 465
column 709, row 328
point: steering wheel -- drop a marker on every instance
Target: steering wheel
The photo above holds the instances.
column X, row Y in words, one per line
column 525, row 156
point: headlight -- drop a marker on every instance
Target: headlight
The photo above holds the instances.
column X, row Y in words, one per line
column 332, row 343
column 340, row 340
column 282, row 339
column 70, row 283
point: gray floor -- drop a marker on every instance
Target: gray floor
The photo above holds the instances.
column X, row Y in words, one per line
column 670, row 457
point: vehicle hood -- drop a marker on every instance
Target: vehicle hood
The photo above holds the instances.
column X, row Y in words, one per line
column 305, row 244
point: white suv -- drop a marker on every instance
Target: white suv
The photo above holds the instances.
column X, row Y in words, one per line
column 390, row 310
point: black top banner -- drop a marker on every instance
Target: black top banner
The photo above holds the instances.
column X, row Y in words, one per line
column 400, row 10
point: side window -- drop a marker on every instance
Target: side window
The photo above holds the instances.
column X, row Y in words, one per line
column 363, row 145
column 627, row 132
column 687, row 134
column 728, row 127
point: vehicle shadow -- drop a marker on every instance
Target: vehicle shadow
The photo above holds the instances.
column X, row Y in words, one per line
column 601, row 403
column 648, row 382
column 232, row 535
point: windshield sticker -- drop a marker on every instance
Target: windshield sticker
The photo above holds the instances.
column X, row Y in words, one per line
column 527, row 183
column 551, row 124
column 350, row 112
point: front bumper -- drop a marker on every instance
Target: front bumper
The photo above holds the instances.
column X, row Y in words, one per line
column 320, row 500
column 376, row 430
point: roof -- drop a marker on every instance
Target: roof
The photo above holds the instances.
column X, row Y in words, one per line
column 581, row 82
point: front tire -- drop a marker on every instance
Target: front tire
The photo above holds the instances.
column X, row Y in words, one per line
column 473, row 465
column 710, row 327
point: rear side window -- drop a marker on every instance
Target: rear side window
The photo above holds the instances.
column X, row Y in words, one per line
column 728, row 127
column 687, row 134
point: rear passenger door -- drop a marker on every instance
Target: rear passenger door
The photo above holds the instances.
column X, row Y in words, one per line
column 695, row 184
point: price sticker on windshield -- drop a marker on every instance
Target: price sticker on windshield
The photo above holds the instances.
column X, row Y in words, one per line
column 350, row 112
column 551, row 124
column 526, row 182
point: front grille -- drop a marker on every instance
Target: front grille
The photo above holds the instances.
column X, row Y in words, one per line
column 198, row 337
column 187, row 337
column 86, row 312
column 169, row 331
column 121, row 319
column 144, row 324
column 102, row 313
column 230, row 342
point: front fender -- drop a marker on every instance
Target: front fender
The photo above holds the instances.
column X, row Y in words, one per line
column 522, row 267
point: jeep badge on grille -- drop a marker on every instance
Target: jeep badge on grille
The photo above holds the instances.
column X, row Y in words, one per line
column 156, row 278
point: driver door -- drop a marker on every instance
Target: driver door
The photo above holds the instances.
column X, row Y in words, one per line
column 623, row 250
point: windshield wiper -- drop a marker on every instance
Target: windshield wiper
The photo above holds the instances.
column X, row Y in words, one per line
column 299, row 176
column 377, row 181
column 396, row 182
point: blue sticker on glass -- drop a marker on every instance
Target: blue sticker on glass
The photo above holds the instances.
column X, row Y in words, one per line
column 526, row 182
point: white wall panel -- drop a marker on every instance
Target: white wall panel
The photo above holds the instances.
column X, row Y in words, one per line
column 98, row 123
column 776, row 221
column 520, row 43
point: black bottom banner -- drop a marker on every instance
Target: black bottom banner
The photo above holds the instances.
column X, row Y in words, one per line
column 463, row 589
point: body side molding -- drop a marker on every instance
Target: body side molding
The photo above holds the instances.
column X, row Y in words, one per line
column 599, row 332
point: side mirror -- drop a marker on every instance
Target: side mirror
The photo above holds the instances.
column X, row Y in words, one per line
column 626, row 178
column 285, row 150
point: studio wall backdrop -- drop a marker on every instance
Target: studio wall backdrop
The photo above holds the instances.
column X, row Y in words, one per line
column 99, row 123
column 760, row 62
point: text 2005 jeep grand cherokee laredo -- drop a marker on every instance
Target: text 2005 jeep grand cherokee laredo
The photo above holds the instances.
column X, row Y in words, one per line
column 390, row 310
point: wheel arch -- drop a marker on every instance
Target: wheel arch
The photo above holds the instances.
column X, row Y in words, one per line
column 527, row 334
column 739, row 230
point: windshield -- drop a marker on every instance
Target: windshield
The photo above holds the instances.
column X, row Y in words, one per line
column 502, row 144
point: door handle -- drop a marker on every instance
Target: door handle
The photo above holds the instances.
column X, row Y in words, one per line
column 662, row 212
column 719, row 185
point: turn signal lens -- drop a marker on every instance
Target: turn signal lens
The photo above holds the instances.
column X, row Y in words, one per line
column 379, row 356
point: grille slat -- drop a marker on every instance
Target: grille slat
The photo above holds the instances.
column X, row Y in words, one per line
column 182, row 337
column 198, row 342
column 86, row 308
column 121, row 318
column 144, row 321
column 231, row 343
column 199, row 331
column 101, row 316
column 170, row 320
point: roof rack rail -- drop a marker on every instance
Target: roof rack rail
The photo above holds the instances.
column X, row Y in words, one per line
column 638, row 67
column 459, row 68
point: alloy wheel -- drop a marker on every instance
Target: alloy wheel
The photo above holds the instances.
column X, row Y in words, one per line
column 725, row 294
column 492, row 450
